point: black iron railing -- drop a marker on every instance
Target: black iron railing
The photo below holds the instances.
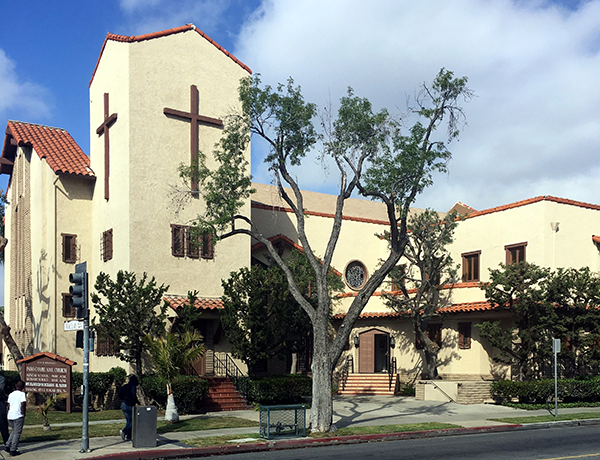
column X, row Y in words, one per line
column 224, row 366
column 392, row 371
column 347, row 369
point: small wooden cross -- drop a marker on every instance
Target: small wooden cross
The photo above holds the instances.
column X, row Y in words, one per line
column 109, row 120
column 194, row 117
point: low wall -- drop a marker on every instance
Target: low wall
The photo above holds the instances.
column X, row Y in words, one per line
column 461, row 392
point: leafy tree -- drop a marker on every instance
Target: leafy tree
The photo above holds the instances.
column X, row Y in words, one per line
column 187, row 315
column 171, row 356
column 576, row 294
column 128, row 310
column 424, row 284
column 374, row 157
column 260, row 316
column 526, row 343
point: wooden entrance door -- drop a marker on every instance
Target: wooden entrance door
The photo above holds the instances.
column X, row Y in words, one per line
column 373, row 352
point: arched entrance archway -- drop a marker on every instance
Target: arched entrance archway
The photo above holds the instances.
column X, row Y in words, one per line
column 373, row 351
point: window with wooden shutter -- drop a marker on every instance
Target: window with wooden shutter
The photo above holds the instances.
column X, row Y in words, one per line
column 193, row 243
column 67, row 311
column 105, row 345
column 515, row 253
column 107, row 245
column 464, row 336
column 208, row 250
column 434, row 332
column 178, row 240
column 69, row 247
column 470, row 266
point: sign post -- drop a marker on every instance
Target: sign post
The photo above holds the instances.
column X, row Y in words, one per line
column 556, row 350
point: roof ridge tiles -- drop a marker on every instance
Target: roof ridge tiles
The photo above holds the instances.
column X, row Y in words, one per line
column 163, row 33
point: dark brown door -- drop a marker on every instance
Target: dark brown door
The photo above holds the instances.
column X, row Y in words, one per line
column 366, row 352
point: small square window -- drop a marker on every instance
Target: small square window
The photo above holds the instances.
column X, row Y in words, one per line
column 69, row 247
column 515, row 253
column 470, row 266
column 434, row 332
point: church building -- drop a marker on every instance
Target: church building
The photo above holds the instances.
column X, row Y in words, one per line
column 158, row 99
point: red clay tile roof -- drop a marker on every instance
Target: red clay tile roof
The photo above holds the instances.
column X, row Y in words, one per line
column 456, row 308
column 268, row 207
column 164, row 33
column 54, row 145
column 537, row 199
column 175, row 301
column 47, row 355
column 469, row 284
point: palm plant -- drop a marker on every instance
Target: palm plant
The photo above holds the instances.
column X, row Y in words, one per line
column 171, row 355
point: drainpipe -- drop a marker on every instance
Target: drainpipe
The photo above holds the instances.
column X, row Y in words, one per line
column 56, row 293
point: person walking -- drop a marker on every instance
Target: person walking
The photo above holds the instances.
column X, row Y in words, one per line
column 17, row 407
column 128, row 396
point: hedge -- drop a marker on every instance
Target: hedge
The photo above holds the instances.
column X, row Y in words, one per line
column 278, row 389
column 188, row 391
column 541, row 391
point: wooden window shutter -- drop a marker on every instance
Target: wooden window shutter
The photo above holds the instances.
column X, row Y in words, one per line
column 208, row 250
column 193, row 243
column 69, row 247
column 67, row 311
column 178, row 240
column 107, row 245
column 464, row 336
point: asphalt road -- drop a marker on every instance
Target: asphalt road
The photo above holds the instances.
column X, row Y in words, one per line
column 580, row 442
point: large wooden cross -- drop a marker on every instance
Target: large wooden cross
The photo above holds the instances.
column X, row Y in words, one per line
column 194, row 117
column 109, row 120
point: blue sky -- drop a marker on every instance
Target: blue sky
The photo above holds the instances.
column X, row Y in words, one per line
column 534, row 128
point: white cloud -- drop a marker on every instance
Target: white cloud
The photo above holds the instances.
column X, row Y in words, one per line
column 153, row 15
column 20, row 99
column 534, row 127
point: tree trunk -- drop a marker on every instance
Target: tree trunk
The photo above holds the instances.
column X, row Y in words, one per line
column 321, row 413
column 171, row 414
column 430, row 371
column 294, row 366
column 9, row 341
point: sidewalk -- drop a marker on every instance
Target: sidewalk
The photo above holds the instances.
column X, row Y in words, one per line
column 348, row 410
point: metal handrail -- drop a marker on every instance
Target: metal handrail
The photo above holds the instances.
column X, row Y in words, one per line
column 392, row 371
column 346, row 370
column 225, row 366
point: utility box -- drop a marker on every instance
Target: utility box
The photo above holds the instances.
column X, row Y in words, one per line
column 143, row 433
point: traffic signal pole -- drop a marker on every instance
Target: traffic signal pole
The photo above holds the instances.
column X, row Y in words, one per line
column 79, row 299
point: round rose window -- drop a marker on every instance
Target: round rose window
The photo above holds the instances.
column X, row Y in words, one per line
column 356, row 275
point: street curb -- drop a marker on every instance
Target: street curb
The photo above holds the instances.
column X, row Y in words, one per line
column 335, row 440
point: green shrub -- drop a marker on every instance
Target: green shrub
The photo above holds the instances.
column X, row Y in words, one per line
column 279, row 389
column 541, row 391
column 188, row 390
column 407, row 389
column 119, row 375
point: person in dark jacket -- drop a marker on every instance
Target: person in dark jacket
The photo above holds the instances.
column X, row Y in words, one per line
column 128, row 396
column 3, row 409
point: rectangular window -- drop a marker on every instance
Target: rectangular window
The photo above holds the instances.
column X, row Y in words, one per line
column 178, row 233
column 464, row 336
column 105, row 345
column 434, row 332
column 106, row 245
column 515, row 253
column 68, row 312
column 470, row 266
column 69, row 247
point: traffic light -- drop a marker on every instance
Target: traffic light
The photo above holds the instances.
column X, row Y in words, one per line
column 78, row 291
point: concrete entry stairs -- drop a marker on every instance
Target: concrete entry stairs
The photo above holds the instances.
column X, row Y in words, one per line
column 223, row 396
column 368, row 384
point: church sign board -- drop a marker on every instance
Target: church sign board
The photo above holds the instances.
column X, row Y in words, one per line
column 47, row 373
